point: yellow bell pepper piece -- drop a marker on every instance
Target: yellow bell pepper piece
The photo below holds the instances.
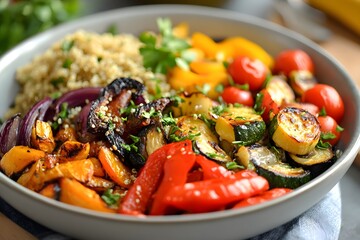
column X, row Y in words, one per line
column 211, row 49
column 244, row 47
column 180, row 79
column 206, row 67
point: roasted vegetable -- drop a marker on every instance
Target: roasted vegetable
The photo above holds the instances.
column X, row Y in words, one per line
column 9, row 133
column 105, row 111
column 150, row 139
column 18, row 158
column 295, row 130
column 73, row 150
column 317, row 161
column 74, row 193
column 205, row 141
column 116, row 170
column 267, row 164
column 240, row 125
column 300, row 81
column 194, row 103
column 42, row 137
column 280, row 91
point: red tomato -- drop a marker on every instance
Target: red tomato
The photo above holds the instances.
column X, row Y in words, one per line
column 236, row 95
column 290, row 60
column 329, row 125
column 325, row 96
column 244, row 70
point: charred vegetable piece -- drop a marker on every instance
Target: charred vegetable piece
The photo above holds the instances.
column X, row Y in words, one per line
column 205, row 141
column 74, row 193
column 18, row 158
column 295, row 130
column 99, row 184
column 42, row 136
column 317, row 161
column 241, row 125
column 9, row 133
column 105, row 111
column 32, row 177
column 268, row 165
column 280, row 91
column 73, row 150
column 144, row 115
column 301, row 81
column 150, row 139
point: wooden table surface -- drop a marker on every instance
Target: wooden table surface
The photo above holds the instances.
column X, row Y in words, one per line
column 343, row 45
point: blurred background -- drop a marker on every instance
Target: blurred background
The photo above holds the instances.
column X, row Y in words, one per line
column 333, row 24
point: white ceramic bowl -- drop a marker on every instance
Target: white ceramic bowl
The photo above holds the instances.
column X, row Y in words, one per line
column 231, row 224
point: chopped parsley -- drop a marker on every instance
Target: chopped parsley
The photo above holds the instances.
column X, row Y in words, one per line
column 233, row 165
column 67, row 63
column 111, row 198
column 112, row 29
column 67, row 45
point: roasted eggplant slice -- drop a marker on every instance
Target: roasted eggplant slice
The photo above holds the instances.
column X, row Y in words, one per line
column 317, row 161
column 295, row 130
column 205, row 141
column 240, row 125
column 267, row 164
column 145, row 115
column 105, row 111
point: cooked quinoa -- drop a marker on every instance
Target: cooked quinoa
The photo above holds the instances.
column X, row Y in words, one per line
column 82, row 59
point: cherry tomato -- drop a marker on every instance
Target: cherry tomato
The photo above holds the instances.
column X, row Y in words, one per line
column 330, row 128
column 290, row 60
column 235, row 95
column 244, row 70
column 325, row 96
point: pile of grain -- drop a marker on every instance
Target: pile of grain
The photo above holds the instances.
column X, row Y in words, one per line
column 82, row 59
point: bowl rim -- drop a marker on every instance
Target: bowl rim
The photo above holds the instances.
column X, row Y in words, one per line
column 351, row 151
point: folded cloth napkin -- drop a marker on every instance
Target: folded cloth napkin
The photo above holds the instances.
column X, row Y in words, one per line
column 322, row 221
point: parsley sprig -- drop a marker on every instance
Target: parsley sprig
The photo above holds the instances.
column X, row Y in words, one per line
column 162, row 55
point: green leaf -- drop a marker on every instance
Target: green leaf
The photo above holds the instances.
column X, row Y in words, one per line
column 67, row 45
column 112, row 29
column 110, row 198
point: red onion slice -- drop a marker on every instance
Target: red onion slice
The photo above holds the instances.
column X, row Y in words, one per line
column 77, row 97
column 37, row 112
column 9, row 133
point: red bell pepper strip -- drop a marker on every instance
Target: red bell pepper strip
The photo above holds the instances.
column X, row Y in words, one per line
column 176, row 170
column 211, row 169
column 266, row 196
column 137, row 199
column 214, row 194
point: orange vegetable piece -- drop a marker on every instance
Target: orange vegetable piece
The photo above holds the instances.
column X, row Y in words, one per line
column 74, row 193
column 66, row 134
column 19, row 157
column 81, row 170
column 32, row 179
column 98, row 170
column 42, row 136
column 181, row 30
column 99, row 184
column 73, row 150
column 207, row 67
column 116, row 170
column 211, row 49
column 52, row 191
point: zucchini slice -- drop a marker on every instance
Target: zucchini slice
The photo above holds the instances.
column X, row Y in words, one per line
column 267, row 164
column 280, row 91
column 301, row 81
column 240, row 125
column 194, row 103
column 295, row 130
column 317, row 161
column 205, row 141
